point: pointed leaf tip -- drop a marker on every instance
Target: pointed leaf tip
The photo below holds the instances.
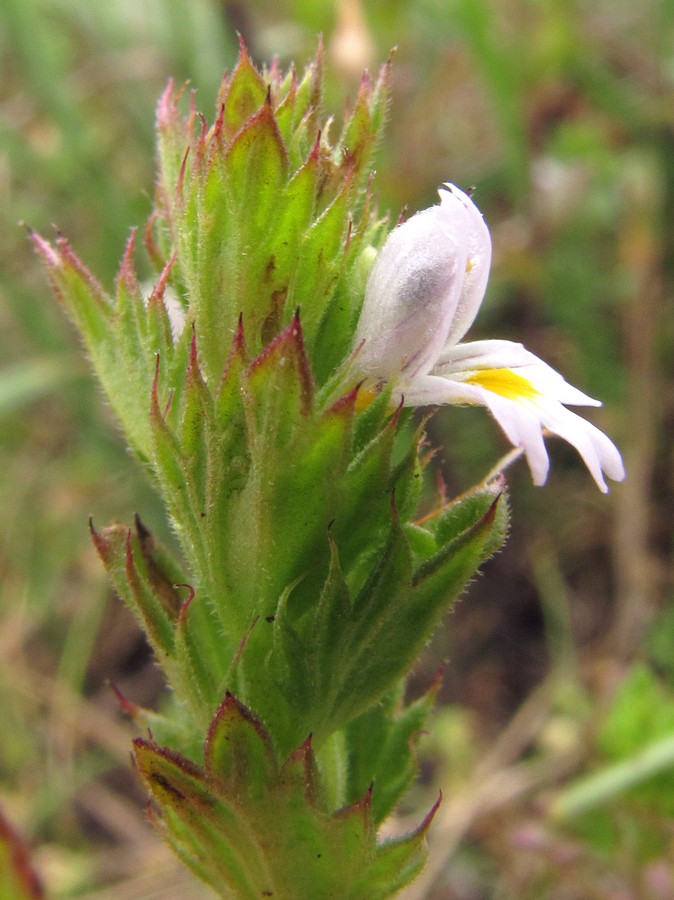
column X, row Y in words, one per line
column 194, row 358
column 490, row 515
column 437, row 680
column 288, row 344
column 362, row 806
column 142, row 531
column 155, row 411
column 347, row 403
column 303, row 753
column 423, row 827
column 127, row 258
column 316, row 150
column 238, row 748
column 167, row 107
column 127, row 706
column 182, row 614
column 170, row 776
column 395, row 517
column 180, row 183
column 130, row 564
column 45, row 249
column 159, row 288
column 230, row 710
column 100, row 543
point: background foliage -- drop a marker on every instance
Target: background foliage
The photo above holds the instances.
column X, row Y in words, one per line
column 553, row 736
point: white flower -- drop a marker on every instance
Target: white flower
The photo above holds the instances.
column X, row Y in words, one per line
column 422, row 296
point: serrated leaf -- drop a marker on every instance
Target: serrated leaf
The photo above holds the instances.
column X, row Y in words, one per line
column 82, row 296
column 280, row 842
column 238, row 750
column 287, row 664
column 182, row 497
column 303, row 125
column 365, row 664
column 210, row 251
column 112, row 339
column 465, row 511
column 363, row 516
column 285, row 100
column 202, row 655
column 320, row 259
column 130, row 321
column 358, row 137
column 197, row 428
column 159, row 331
column 159, row 569
column 242, row 95
column 210, row 827
column 329, row 619
column 152, row 607
column 257, row 166
column 281, row 388
column 484, row 520
column 397, row 609
column 381, row 747
column 280, row 245
column 396, row 864
column 175, row 135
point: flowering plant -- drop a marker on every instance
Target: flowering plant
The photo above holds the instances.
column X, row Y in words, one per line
column 422, row 296
column 262, row 382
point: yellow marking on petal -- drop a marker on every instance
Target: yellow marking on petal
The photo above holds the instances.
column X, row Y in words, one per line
column 365, row 396
column 505, row 383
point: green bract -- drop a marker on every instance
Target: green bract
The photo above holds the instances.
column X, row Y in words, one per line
column 306, row 591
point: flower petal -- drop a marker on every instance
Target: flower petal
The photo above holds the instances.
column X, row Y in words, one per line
column 520, row 423
column 466, row 360
column 599, row 453
column 423, row 293
column 462, row 222
column 410, row 298
column 524, row 401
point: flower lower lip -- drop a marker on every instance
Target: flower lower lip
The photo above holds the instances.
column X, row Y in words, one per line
column 504, row 382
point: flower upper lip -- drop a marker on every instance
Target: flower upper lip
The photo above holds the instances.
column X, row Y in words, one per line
column 422, row 296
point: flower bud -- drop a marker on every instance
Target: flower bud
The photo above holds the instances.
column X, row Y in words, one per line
column 422, row 295
column 425, row 287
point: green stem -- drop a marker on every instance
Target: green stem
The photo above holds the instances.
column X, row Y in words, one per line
column 608, row 783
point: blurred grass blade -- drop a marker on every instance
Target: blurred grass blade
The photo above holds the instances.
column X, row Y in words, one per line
column 613, row 780
column 26, row 381
column 18, row 880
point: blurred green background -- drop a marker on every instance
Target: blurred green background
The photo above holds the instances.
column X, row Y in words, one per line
column 554, row 739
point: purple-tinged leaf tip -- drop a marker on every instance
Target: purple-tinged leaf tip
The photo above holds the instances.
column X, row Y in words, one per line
column 127, row 272
column 423, row 827
column 490, row 515
column 159, row 288
column 167, row 106
column 151, row 245
column 45, row 249
column 100, row 543
column 289, row 340
column 155, row 410
column 182, row 615
column 346, row 404
column 360, row 807
column 127, row 706
column 181, row 175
